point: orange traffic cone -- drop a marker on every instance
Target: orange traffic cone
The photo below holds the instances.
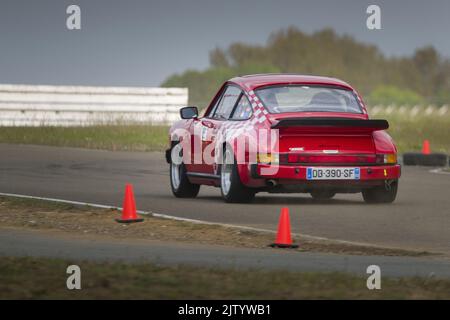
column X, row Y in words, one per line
column 283, row 239
column 426, row 147
column 129, row 214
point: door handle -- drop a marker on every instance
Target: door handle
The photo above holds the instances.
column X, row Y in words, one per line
column 208, row 124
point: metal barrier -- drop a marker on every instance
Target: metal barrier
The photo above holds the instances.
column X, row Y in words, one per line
column 30, row 105
column 410, row 111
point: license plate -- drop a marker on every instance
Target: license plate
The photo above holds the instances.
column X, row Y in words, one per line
column 316, row 173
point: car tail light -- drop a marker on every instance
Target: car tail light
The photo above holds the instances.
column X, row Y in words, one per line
column 380, row 158
column 293, row 158
column 390, row 158
column 268, row 158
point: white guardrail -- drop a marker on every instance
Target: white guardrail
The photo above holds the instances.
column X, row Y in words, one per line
column 41, row 105
column 411, row 111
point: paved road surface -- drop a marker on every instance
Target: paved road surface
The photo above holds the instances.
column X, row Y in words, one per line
column 419, row 219
column 39, row 244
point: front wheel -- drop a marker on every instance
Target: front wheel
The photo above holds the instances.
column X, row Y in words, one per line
column 179, row 182
column 231, row 187
column 381, row 194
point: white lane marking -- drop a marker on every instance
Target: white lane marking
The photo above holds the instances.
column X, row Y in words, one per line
column 440, row 171
column 226, row 225
column 95, row 205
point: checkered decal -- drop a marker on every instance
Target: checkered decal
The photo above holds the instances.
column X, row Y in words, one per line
column 232, row 129
column 360, row 102
column 259, row 111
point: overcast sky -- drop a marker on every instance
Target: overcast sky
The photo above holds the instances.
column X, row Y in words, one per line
column 140, row 43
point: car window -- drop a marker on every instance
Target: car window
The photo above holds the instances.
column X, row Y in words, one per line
column 216, row 104
column 243, row 109
column 227, row 102
column 302, row 98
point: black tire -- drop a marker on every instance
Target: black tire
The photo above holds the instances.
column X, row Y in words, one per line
column 184, row 188
column 419, row 159
column 237, row 193
column 381, row 194
column 322, row 194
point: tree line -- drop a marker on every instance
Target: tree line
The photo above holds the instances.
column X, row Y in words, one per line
column 422, row 78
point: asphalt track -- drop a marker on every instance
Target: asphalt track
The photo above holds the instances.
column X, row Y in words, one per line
column 419, row 219
column 77, row 248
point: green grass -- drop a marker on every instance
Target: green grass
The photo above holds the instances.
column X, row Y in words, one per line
column 408, row 133
column 114, row 137
column 43, row 278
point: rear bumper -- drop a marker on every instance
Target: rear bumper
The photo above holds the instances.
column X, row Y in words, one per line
column 295, row 174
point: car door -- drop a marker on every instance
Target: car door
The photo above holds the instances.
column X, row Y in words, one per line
column 212, row 124
column 200, row 131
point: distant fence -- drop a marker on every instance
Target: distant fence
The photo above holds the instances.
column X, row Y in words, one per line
column 409, row 111
column 29, row 105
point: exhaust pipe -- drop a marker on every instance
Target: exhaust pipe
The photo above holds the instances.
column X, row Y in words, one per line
column 271, row 183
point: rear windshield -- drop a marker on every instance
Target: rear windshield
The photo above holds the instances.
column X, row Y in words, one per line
column 280, row 99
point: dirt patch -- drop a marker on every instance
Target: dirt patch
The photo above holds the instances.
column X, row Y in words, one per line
column 42, row 215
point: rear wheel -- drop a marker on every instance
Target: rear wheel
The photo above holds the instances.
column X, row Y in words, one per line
column 381, row 194
column 231, row 187
column 179, row 182
column 322, row 194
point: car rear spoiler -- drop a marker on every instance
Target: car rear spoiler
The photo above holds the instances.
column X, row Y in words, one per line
column 374, row 125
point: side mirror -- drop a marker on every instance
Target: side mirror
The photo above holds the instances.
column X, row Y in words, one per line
column 189, row 113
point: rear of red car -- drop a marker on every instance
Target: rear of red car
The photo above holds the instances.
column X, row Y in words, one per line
column 325, row 156
column 324, row 142
column 327, row 146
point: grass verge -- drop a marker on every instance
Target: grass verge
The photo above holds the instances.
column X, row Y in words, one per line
column 43, row 278
column 114, row 138
column 93, row 222
column 408, row 133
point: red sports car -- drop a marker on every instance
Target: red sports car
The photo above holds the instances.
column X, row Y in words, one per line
column 283, row 133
